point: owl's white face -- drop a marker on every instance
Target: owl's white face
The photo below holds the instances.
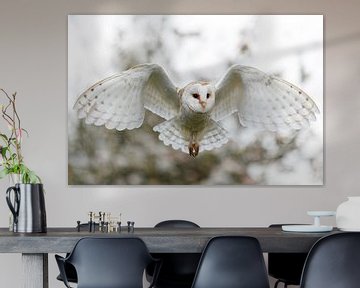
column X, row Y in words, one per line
column 199, row 97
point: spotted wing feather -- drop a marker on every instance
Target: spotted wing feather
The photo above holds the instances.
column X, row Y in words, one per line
column 119, row 102
column 262, row 100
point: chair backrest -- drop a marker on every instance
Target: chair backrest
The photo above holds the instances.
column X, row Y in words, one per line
column 110, row 262
column 178, row 269
column 176, row 224
column 232, row 262
column 333, row 262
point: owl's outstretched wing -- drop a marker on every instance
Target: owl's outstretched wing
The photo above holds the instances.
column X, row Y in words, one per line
column 119, row 102
column 262, row 100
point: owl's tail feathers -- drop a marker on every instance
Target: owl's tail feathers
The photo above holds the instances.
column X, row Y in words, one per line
column 174, row 134
column 214, row 137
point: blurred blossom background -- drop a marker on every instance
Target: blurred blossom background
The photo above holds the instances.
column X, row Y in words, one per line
column 194, row 47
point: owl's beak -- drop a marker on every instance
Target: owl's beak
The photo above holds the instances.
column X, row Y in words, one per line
column 203, row 104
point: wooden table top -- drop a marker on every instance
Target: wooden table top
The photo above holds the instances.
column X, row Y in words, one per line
column 158, row 240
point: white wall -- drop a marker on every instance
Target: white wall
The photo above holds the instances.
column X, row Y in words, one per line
column 33, row 62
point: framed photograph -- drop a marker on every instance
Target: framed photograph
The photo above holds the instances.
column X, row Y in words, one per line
column 195, row 100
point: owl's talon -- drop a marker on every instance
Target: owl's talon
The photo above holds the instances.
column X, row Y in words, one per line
column 194, row 149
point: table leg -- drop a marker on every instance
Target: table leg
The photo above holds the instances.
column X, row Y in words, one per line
column 35, row 270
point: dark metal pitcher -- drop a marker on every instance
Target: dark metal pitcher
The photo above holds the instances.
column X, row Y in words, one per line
column 28, row 207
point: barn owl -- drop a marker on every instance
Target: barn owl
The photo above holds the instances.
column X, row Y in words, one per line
column 192, row 114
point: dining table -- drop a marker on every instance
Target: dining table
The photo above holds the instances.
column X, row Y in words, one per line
column 35, row 247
